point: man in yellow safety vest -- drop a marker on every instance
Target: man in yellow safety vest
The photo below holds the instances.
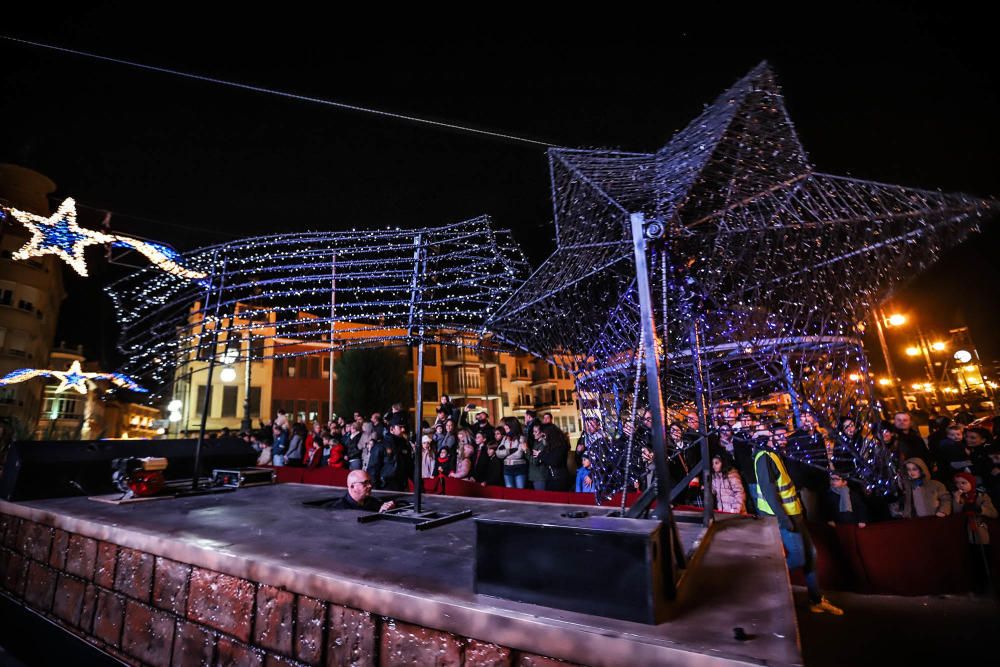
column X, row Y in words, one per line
column 777, row 496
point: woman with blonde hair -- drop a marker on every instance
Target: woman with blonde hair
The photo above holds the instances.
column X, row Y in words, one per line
column 365, row 446
column 463, row 466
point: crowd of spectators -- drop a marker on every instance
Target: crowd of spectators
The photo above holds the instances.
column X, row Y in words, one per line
column 955, row 470
column 533, row 453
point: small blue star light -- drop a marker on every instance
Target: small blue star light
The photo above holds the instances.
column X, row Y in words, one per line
column 74, row 378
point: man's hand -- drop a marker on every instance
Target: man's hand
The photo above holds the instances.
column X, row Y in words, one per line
column 862, row 525
column 587, row 480
column 831, row 524
column 386, row 506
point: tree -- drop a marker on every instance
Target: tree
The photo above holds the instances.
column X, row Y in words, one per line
column 371, row 380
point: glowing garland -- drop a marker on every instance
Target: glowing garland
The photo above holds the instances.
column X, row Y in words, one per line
column 60, row 235
column 391, row 287
column 74, row 378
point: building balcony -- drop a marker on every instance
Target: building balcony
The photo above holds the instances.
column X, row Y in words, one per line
column 463, row 356
column 520, row 376
column 540, row 381
column 458, row 356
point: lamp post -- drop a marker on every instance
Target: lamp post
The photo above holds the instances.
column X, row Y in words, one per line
column 880, row 323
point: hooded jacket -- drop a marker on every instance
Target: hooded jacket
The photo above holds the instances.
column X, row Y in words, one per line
column 925, row 496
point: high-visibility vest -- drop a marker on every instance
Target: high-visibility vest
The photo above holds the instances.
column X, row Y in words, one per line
column 786, row 489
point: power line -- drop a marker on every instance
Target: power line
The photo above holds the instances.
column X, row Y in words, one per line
column 279, row 93
column 140, row 218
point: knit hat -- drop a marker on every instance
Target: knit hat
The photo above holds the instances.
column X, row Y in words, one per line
column 968, row 477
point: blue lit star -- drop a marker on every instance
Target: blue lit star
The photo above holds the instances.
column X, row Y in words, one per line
column 74, row 378
column 59, row 235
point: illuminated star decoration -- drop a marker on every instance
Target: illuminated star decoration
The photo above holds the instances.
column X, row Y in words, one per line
column 761, row 273
column 74, row 378
column 60, row 235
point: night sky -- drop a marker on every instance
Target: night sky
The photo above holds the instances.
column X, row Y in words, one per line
column 899, row 96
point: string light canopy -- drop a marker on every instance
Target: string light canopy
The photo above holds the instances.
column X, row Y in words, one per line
column 60, row 235
column 763, row 271
column 73, row 378
column 290, row 295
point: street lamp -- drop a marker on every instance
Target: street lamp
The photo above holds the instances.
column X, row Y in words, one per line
column 913, row 351
column 228, row 374
column 938, row 346
column 881, row 322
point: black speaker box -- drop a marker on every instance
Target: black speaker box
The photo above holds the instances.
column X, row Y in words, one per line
column 598, row 565
column 57, row 469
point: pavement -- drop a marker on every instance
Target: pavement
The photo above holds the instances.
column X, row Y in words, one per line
column 940, row 630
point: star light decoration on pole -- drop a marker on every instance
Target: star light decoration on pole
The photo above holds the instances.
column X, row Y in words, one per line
column 763, row 272
column 60, row 235
column 73, row 378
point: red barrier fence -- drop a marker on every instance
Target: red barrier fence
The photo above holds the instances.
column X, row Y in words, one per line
column 914, row 557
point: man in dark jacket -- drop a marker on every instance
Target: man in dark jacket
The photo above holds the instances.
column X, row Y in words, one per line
column 481, row 462
column 555, row 457
column 398, row 461
column 359, row 495
column 908, row 440
column 396, row 415
column 481, row 425
column 843, row 503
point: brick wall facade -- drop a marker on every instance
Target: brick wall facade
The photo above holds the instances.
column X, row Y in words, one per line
column 149, row 610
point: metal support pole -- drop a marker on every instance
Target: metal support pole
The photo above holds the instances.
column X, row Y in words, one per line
column 418, row 452
column 247, row 424
column 792, row 393
column 211, row 370
column 418, row 409
column 702, row 410
column 879, row 318
column 333, row 333
column 926, row 350
column 652, row 367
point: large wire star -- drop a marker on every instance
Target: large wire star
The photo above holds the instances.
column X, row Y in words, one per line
column 762, row 269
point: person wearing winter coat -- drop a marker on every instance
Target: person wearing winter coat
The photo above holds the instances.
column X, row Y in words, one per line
column 975, row 506
column 296, row 446
column 265, row 454
column 428, row 462
column 279, row 445
column 337, row 458
column 843, row 504
column 537, row 472
column 921, row 495
column 584, row 475
column 727, row 486
column 463, row 464
column 512, row 451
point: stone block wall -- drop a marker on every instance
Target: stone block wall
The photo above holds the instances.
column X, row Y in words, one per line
column 149, row 610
